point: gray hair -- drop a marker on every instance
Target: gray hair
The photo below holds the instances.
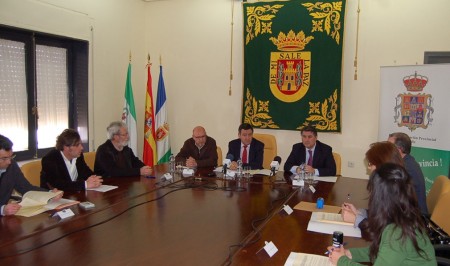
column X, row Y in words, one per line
column 114, row 128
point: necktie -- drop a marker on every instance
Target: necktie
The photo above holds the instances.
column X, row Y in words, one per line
column 310, row 157
column 244, row 154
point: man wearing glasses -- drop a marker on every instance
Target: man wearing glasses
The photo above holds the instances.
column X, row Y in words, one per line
column 12, row 178
column 198, row 151
column 64, row 167
column 115, row 159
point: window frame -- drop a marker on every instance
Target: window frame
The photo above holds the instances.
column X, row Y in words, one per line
column 77, row 74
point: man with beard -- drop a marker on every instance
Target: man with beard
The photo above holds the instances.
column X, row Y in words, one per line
column 64, row 167
column 115, row 159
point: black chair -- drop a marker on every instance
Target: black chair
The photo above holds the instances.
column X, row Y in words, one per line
column 442, row 254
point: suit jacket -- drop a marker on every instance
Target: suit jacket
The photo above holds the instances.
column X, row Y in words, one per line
column 418, row 180
column 13, row 179
column 54, row 172
column 106, row 159
column 255, row 155
column 323, row 159
column 205, row 157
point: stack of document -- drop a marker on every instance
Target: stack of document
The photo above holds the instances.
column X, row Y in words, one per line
column 327, row 223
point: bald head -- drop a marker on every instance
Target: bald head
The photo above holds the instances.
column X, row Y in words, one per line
column 199, row 136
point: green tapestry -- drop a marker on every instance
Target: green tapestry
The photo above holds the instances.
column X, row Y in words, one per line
column 292, row 64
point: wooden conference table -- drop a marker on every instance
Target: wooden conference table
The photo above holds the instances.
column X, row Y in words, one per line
column 186, row 222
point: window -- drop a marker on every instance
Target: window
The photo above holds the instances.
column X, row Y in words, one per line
column 44, row 89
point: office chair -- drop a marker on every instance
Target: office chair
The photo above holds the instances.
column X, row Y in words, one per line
column 337, row 160
column 32, row 172
column 219, row 156
column 270, row 148
column 89, row 158
column 441, row 185
column 441, row 211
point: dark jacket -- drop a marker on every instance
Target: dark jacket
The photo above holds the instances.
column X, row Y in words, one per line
column 106, row 159
column 54, row 172
column 13, row 179
column 255, row 155
column 323, row 159
column 205, row 157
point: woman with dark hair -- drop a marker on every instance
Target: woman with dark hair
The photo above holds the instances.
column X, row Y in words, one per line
column 394, row 224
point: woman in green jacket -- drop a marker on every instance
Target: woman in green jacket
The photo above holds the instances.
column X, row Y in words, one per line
column 394, row 224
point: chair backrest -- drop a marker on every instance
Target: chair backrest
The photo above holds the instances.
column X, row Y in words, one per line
column 32, row 172
column 270, row 147
column 219, row 156
column 441, row 185
column 441, row 211
column 337, row 160
column 89, row 158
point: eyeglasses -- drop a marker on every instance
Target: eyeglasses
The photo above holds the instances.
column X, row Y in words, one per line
column 199, row 137
column 8, row 158
column 123, row 135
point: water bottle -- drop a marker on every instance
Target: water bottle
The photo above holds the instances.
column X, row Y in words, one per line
column 172, row 164
column 239, row 169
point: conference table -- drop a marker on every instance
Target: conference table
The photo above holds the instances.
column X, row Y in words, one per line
column 195, row 220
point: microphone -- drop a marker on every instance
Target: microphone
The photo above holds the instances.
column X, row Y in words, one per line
column 274, row 165
column 227, row 162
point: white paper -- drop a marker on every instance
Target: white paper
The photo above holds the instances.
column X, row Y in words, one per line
column 288, row 209
column 270, row 248
column 303, row 259
column 298, row 182
column 333, row 222
column 103, row 188
column 331, row 179
column 66, row 213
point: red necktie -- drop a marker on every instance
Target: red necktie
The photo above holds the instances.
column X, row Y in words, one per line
column 310, row 157
column 244, row 154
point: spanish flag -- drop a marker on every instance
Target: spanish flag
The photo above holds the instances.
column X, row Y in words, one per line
column 149, row 127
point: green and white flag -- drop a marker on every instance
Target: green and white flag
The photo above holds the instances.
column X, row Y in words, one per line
column 129, row 112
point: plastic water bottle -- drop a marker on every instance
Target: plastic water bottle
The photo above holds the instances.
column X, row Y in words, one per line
column 239, row 169
column 172, row 164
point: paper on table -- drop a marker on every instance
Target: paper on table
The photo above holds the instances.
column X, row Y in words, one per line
column 331, row 179
column 327, row 223
column 103, row 188
column 36, row 202
column 311, row 207
column 303, row 259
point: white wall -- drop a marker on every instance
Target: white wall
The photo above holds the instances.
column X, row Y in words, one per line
column 193, row 38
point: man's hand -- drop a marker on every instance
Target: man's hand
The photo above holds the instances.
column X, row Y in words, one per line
column 94, row 181
column 309, row 169
column 191, row 162
column 11, row 208
column 233, row 165
column 146, row 170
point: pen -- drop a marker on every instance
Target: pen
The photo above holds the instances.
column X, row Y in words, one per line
column 332, row 249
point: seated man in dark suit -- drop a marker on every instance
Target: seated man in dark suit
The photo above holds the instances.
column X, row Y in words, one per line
column 403, row 143
column 316, row 156
column 115, row 159
column 246, row 148
column 198, row 151
column 64, row 167
column 12, row 178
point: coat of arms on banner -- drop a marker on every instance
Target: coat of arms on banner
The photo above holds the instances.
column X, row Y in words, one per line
column 413, row 109
column 293, row 64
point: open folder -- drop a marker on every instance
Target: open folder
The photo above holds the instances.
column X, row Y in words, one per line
column 36, row 202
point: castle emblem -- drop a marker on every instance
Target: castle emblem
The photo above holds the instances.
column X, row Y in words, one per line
column 414, row 109
column 290, row 68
